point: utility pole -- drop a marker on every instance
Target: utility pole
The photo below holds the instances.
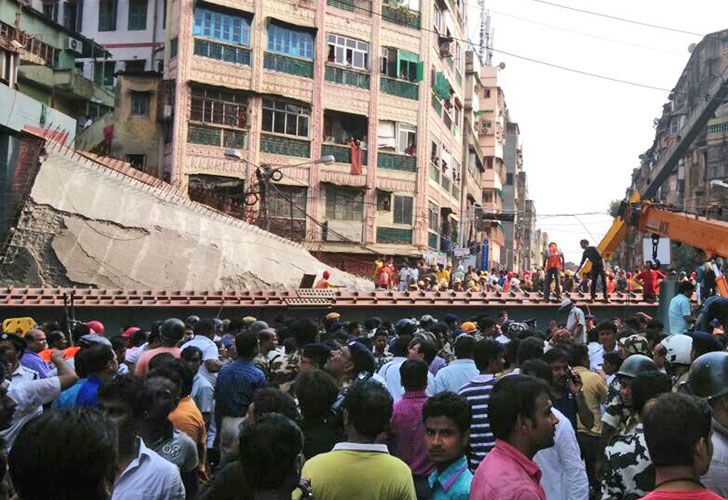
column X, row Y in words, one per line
column 486, row 37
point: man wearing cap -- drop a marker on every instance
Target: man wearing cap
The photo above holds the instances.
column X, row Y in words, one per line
column 575, row 321
column 351, row 363
column 323, row 283
column 96, row 327
column 170, row 333
column 709, row 380
column 36, row 342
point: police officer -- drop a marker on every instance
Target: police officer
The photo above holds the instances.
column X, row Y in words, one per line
column 708, row 379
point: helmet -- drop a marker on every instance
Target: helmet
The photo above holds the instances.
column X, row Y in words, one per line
column 636, row 364
column 709, row 375
column 172, row 329
column 192, row 320
column 468, row 327
column 678, row 349
column 635, row 344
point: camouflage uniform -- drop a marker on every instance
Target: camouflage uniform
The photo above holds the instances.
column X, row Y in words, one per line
column 628, row 470
column 261, row 361
column 616, row 414
column 283, row 371
column 382, row 359
column 636, row 344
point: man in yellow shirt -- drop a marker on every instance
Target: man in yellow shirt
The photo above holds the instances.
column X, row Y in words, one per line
column 360, row 467
column 442, row 274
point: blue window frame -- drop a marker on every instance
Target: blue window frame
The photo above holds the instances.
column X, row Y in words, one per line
column 292, row 42
column 223, row 27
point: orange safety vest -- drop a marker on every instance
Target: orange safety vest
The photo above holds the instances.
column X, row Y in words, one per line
column 553, row 258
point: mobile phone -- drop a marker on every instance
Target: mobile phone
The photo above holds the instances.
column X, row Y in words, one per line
column 573, row 375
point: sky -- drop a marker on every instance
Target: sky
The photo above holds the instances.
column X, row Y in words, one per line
column 582, row 136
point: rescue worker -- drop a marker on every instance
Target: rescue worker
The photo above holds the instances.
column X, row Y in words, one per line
column 708, row 379
column 597, row 268
column 678, row 359
column 323, row 283
column 553, row 262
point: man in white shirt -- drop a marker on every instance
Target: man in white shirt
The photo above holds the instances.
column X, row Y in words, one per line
column 204, row 332
column 608, row 339
column 145, row 475
column 575, row 322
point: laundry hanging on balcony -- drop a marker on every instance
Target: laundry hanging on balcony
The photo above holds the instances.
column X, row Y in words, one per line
column 355, row 157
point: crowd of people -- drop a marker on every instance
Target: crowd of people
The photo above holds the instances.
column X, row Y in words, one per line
column 550, row 278
column 456, row 408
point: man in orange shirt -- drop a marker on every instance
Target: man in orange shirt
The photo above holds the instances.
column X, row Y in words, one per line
column 553, row 263
column 324, row 281
column 170, row 334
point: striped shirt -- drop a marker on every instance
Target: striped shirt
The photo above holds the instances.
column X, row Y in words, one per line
column 477, row 392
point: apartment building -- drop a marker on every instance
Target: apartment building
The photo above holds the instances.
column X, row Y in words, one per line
column 376, row 85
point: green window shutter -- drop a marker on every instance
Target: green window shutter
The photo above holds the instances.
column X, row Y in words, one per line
column 420, row 71
column 442, row 90
column 404, row 55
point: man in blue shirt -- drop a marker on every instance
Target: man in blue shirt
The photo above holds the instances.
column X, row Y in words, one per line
column 447, row 420
column 679, row 312
column 460, row 371
column 236, row 384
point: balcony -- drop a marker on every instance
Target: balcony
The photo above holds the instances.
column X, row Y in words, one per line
column 401, row 15
column 218, row 137
column 357, row 6
column 288, row 64
column 434, row 173
column 394, row 235
column 286, row 146
column 399, row 88
column 222, row 52
column 446, row 183
column 432, row 240
column 404, row 163
column 341, row 154
column 344, row 76
column 436, row 104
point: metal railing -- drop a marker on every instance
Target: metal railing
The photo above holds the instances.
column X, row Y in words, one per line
column 394, row 235
column 341, row 153
column 288, row 64
column 405, row 163
column 286, row 146
column 222, row 52
column 345, row 76
column 401, row 15
column 399, row 88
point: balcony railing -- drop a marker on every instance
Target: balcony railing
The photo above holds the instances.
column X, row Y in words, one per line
column 434, row 173
column 357, row 6
column 341, row 154
column 394, row 235
column 446, row 183
column 401, row 15
column 447, row 120
column 391, row 161
column 288, row 64
column 400, row 88
column 436, row 104
column 344, row 76
column 432, row 240
column 222, row 52
column 455, row 191
column 286, row 146
column 218, row 137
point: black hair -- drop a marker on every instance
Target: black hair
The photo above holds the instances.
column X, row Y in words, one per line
column 530, row 348
column 554, row 355
column 93, row 359
column 648, row 385
column 450, row 405
column 350, row 326
column 607, row 326
column 175, row 371
column 316, row 391
column 372, row 323
column 538, row 368
column 674, row 424
column 511, row 352
column 117, row 343
column 584, row 241
column 426, row 347
column 592, row 335
column 55, row 336
column 511, row 397
column 159, row 360
column 269, row 451
column 485, row 352
column 78, row 331
column 381, row 332
column 272, row 400
column 400, row 345
column 246, row 344
column 413, row 373
column 64, row 454
column 614, row 359
column 50, row 326
column 18, row 342
column 655, row 324
column 236, row 326
column 317, row 353
column 129, row 389
column 304, row 331
column 369, row 407
column 579, row 355
column 205, row 327
column 685, row 287
column 190, row 351
column 485, row 322
column 464, row 347
column 138, row 338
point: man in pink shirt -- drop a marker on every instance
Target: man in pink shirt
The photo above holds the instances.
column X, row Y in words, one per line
column 170, row 334
column 521, row 420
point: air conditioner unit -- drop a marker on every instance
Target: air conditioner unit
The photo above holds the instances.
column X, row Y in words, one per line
column 74, row 45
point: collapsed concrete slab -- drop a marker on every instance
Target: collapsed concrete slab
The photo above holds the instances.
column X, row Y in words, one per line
column 95, row 222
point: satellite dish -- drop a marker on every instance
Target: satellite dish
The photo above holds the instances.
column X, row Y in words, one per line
column 502, row 65
column 691, row 47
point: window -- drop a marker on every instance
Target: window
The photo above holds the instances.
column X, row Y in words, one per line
column 287, row 202
column 140, row 103
column 402, row 210
column 137, row 15
column 292, row 42
column 220, row 107
column 344, row 203
column 457, row 116
column 348, row 51
column 224, row 27
column 50, row 10
column 384, row 201
column 137, row 161
column 104, row 73
column 72, row 15
column 135, row 66
column 285, row 118
column 407, row 139
column 487, row 93
column 487, row 196
column 458, row 58
column 435, row 152
column 384, row 61
column 437, row 18
column 509, row 179
column 433, row 217
column 107, row 15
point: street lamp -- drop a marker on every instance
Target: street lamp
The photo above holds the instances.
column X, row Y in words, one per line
column 266, row 172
